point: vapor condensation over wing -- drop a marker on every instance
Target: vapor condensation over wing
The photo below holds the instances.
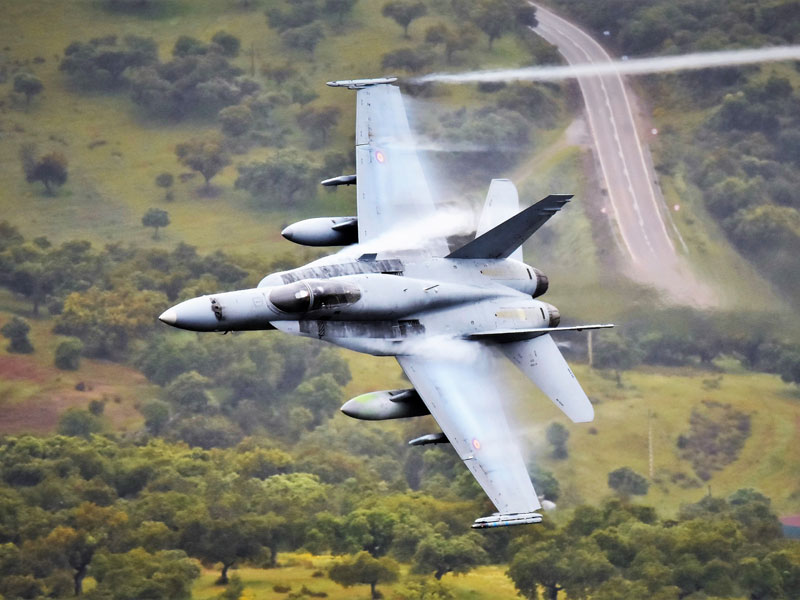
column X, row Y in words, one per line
column 633, row 66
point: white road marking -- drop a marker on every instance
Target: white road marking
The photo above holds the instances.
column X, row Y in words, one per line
column 620, row 149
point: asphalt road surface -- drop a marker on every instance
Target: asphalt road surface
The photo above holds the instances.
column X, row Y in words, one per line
column 648, row 238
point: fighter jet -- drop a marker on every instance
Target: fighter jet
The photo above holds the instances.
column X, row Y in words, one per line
column 448, row 316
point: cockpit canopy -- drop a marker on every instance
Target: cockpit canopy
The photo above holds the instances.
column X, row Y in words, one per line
column 311, row 294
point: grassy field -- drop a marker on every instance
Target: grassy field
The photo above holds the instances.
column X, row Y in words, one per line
column 115, row 152
column 299, row 570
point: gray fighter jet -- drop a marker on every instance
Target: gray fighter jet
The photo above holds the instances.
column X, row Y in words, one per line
column 447, row 316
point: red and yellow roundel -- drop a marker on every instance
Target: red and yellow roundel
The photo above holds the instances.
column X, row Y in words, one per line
column 476, row 444
column 380, row 157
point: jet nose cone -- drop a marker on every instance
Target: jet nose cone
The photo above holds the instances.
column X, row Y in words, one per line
column 169, row 316
column 196, row 314
column 288, row 233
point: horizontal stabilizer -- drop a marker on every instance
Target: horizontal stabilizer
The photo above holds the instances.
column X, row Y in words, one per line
column 513, row 335
column 541, row 360
column 507, row 520
column 501, row 241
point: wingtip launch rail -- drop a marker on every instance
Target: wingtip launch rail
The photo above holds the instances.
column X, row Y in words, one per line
column 360, row 84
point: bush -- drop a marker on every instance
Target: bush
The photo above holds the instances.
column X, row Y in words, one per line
column 100, row 63
column 78, row 422
column 16, row 331
column 68, row 354
column 717, row 432
column 627, row 482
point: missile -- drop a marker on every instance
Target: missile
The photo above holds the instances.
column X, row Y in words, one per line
column 388, row 404
column 507, row 520
column 323, row 231
column 431, row 438
column 340, row 180
column 359, row 84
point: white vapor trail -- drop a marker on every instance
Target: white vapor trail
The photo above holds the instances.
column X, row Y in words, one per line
column 417, row 233
column 633, row 66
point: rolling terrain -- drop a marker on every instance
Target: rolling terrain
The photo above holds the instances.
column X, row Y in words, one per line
column 115, row 150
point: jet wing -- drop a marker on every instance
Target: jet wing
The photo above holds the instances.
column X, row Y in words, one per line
column 393, row 194
column 463, row 392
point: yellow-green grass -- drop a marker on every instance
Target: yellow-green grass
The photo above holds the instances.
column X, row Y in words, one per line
column 769, row 461
column 112, row 185
column 297, row 570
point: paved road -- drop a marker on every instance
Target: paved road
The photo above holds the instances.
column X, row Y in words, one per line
column 647, row 234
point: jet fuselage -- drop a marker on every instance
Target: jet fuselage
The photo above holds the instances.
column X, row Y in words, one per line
column 379, row 305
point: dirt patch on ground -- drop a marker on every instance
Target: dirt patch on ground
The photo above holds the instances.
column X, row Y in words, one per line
column 18, row 368
column 119, row 387
column 41, row 414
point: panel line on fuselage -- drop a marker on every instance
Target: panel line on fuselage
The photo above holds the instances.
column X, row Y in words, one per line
column 390, row 266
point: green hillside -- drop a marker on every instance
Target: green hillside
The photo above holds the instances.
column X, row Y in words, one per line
column 137, row 461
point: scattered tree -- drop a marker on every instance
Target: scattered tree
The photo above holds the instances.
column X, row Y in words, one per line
column 132, row 5
column 208, row 157
column 191, row 84
column 558, row 435
column 140, row 574
column 101, row 62
column 364, row 569
column 497, row 17
column 717, row 432
column 403, row 12
column 318, row 122
column 165, row 181
column 228, row 43
column 280, row 73
column 68, row 354
column 438, row 555
column 188, row 46
column 50, row 169
column 304, row 38
column 236, row 120
column 156, row 415
column 283, row 181
column 189, row 392
column 611, row 351
column 549, row 566
column 155, row 218
column 29, row 85
column 339, row 8
column 233, row 590
column 16, row 331
column 78, row 422
column 408, row 59
column 453, row 40
column 627, row 482
column 298, row 14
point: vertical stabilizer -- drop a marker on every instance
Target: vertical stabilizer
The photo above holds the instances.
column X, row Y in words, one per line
column 502, row 203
